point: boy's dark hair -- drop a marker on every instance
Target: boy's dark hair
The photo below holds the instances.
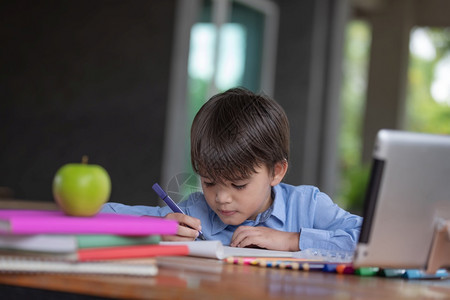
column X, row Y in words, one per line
column 236, row 131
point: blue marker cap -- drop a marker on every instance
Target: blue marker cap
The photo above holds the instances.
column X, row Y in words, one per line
column 161, row 193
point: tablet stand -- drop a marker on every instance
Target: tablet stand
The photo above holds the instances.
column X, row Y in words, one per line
column 440, row 249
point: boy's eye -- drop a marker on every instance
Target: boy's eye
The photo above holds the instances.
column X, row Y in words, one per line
column 239, row 186
column 208, row 184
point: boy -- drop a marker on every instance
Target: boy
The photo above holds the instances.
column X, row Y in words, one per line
column 240, row 148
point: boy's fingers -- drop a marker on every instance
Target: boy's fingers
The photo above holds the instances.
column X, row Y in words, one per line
column 240, row 233
column 175, row 238
column 187, row 232
column 185, row 220
column 188, row 227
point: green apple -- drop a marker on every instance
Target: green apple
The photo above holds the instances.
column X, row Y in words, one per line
column 81, row 189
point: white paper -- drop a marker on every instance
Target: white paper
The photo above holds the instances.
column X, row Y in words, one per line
column 215, row 249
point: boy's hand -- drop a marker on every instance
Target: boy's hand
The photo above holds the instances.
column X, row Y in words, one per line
column 187, row 229
column 263, row 237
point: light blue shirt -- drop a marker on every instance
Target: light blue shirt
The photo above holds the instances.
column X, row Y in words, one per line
column 321, row 223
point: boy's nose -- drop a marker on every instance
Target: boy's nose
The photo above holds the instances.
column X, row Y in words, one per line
column 223, row 197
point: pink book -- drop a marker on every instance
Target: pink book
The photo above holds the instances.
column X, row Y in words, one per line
column 56, row 222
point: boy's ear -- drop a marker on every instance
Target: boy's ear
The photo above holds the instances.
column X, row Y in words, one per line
column 279, row 171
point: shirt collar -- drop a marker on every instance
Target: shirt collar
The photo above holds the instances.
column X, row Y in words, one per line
column 217, row 224
column 277, row 209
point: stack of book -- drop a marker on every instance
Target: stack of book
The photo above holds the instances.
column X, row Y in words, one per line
column 50, row 241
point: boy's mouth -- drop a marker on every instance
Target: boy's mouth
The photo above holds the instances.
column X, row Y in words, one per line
column 227, row 213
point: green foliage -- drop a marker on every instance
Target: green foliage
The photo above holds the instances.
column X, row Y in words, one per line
column 423, row 113
column 352, row 174
column 354, row 188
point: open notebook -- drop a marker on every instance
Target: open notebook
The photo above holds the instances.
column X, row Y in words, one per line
column 215, row 249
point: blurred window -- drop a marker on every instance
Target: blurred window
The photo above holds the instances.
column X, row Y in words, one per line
column 233, row 44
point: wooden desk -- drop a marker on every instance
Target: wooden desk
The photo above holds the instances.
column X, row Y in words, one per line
column 235, row 282
column 225, row 281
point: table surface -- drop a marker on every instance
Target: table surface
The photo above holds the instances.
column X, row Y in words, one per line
column 186, row 277
column 230, row 281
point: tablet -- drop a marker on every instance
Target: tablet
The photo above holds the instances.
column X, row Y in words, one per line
column 407, row 196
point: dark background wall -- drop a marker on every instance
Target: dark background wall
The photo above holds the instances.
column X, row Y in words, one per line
column 84, row 77
column 292, row 82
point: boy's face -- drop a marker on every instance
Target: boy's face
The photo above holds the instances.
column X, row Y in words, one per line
column 235, row 202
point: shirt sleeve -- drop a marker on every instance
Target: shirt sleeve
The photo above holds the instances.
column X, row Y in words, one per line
column 192, row 206
column 137, row 210
column 332, row 229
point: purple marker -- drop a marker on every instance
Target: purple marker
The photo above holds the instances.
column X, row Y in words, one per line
column 173, row 206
